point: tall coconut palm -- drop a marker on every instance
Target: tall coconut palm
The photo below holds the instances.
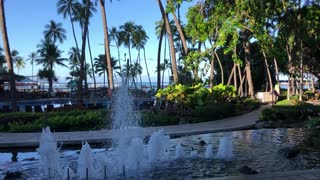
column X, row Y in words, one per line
column 74, row 61
column 8, row 58
column 139, row 41
column 50, row 55
column 115, row 36
column 68, row 8
column 55, row 31
column 170, row 36
column 80, row 16
column 20, row 64
column 126, row 35
column 32, row 58
column 106, row 42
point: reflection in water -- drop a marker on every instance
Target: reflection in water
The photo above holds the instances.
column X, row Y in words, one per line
column 254, row 148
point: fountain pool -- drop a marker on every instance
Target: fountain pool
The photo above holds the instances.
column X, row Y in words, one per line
column 254, row 148
column 160, row 157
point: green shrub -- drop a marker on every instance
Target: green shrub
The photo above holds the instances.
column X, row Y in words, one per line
column 313, row 122
column 250, row 103
column 58, row 121
column 223, row 93
column 215, row 111
column 157, row 118
column 269, row 114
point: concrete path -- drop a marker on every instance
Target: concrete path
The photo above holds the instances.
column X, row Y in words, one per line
column 313, row 174
column 19, row 140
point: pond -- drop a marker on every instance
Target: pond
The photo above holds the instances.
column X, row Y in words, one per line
column 257, row 149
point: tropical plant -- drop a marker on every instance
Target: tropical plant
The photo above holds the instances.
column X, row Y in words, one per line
column 20, row 64
column 32, row 58
column 55, row 31
column 50, row 55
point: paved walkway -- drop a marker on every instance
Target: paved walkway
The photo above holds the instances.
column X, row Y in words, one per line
column 18, row 140
column 313, row 174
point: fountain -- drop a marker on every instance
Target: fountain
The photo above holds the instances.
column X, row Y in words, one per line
column 128, row 155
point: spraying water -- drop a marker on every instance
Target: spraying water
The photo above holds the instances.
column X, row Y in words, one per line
column 225, row 150
column 49, row 154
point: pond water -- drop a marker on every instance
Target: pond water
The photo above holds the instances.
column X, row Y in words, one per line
column 257, row 149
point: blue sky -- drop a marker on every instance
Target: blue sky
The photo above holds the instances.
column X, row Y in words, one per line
column 26, row 21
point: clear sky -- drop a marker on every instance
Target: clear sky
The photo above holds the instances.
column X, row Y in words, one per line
column 26, row 21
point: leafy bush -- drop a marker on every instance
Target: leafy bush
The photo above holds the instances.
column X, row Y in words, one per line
column 313, row 122
column 250, row 103
column 269, row 114
column 157, row 118
column 223, row 93
column 58, row 121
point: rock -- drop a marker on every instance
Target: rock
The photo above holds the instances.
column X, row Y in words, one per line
column 29, row 159
column 13, row 175
column 247, row 170
column 289, row 152
column 202, row 143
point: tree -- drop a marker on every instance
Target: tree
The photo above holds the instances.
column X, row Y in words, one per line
column 32, row 58
column 115, row 36
column 139, row 41
column 8, row 58
column 106, row 42
column 20, row 64
column 172, row 50
column 54, row 31
column 68, row 8
column 50, row 55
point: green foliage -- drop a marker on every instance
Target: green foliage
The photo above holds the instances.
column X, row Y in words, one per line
column 158, row 118
column 75, row 120
column 223, row 93
column 269, row 114
column 313, row 122
column 289, row 113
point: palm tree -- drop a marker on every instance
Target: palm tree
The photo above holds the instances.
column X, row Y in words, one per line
column 68, row 8
column 8, row 58
column 172, row 50
column 54, row 31
column 50, row 55
column 32, row 57
column 20, row 64
column 115, row 36
column 106, row 42
column 139, row 41
column 101, row 66
column 74, row 61
column 126, row 36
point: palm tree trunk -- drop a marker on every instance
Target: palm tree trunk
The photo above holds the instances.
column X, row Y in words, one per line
column 276, row 69
column 221, row 69
column 181, row 34
column 240, row 89
column 159, row 58
column 6, row 49
column 83, row 51
column 248, row 64
column 268, row 70
column 172, row 50
column 119, row 57
column 145, row 61
column 231, row 74
column 106, row 43
column 212, row 70
column 92, row 66
column 74, row 35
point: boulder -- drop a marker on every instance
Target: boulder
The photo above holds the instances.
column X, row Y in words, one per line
column 247, row 170
column 202, row 143
column 289, row 152
column 13, row 175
